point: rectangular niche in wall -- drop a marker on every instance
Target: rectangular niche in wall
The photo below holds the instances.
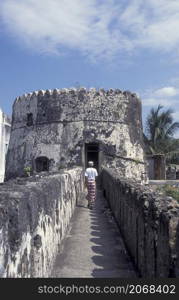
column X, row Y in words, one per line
column 42, row 164
column 29, row 119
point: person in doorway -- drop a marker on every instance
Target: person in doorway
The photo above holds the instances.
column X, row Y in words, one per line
column 90, row 181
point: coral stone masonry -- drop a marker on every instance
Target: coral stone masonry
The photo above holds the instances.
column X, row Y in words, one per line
column 55, row 129
column 34, row 217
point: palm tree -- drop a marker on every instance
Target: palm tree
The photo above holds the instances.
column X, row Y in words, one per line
column 160, row 129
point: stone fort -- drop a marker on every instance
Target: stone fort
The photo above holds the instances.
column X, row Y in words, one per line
column 56, row 129
column 56, row 132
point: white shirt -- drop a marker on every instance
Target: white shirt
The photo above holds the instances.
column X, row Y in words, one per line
column 91, row 173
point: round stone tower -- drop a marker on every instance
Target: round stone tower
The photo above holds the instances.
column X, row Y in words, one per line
column 56, row 129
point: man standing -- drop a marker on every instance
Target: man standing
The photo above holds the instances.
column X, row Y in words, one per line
column 90, row 181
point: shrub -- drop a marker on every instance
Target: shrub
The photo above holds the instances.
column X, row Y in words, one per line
column 27, row 170
column 171, row 191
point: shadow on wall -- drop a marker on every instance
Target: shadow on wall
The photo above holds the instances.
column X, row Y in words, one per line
column 111, row 257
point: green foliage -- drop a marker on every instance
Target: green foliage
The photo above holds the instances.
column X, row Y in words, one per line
column 170, row 190
column 159, row 132
column 27, row 170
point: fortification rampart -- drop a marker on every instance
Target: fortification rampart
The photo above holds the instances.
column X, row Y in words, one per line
column 148, row 222
column 59, row 125
column 34, row 217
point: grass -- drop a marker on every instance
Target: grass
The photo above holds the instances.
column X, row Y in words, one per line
column 171, row 191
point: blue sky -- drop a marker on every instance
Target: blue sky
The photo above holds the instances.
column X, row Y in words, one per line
column 126, row 44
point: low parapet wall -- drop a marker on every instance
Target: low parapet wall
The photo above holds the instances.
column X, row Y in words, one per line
column 34, row 216
column 148, row 222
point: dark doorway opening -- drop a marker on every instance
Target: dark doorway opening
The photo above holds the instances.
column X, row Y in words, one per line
column 92, row 154
column 42, row 164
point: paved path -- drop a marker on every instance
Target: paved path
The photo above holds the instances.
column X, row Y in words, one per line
column 93, row 246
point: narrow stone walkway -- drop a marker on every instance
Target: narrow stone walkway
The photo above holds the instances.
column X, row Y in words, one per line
column 93, row 246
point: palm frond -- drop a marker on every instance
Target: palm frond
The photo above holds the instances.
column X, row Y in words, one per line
column 160, row 128
column 172, row 129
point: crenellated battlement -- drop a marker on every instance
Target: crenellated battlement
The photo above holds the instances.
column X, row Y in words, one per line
column 73, row 104
column 55, row 92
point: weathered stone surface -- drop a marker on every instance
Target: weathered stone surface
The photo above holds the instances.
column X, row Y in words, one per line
column 148, row 222
column 5, row 129
column 65, row 120
column 34, row 216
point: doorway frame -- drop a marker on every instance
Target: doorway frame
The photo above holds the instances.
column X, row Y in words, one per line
column 86, row 145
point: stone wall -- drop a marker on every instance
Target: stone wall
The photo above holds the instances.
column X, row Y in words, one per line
column 57, row 124
column 148, row 222
column 34, row 217
column 5, row 129
column 172, row 172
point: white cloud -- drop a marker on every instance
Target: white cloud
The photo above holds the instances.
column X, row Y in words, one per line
column 169, row 91
column 166, row 96
column 51, row 25
column 153, row 24
column 97, row 28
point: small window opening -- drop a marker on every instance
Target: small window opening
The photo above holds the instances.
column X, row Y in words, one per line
column 29, row 119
